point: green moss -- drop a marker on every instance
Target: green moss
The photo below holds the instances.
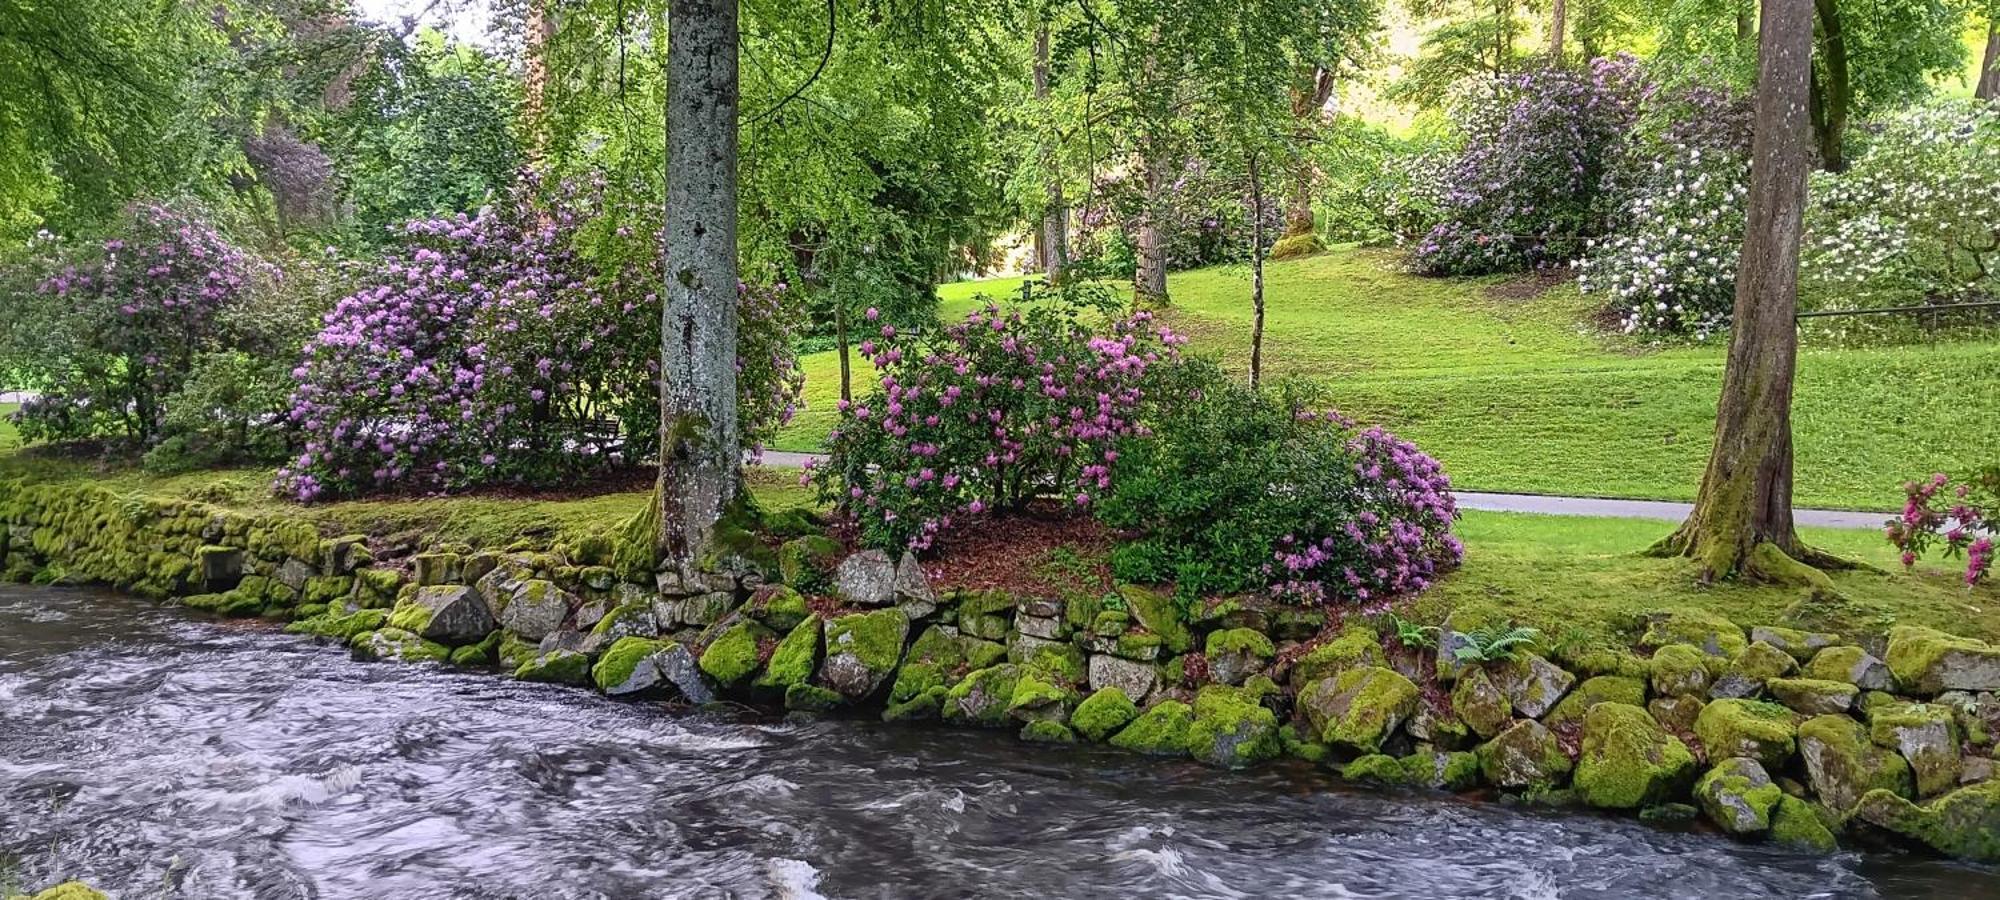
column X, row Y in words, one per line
column 68, row 890
column 811, row 698
column 1231, row 729
column 780, row 608
column 875, row 639
column 807, row 563
column 332, row 624
column 1241, row 640
column 1964, row 823
column 1062, row 662
column 1032, row 694
column 1356, row 646
column 983, row 696
column 1761, row 731
column 1299, row 747
column 410, row 617
column 397, row 644
column 1762, row 662
column 933, row 656
column 1735, row 801
column 556, row 667
column 479, row 654
column 1161, row 616
column 1101, row 714
column 1712, row 632
column 1047, row 731
column 1628, row 760
column 1161, row 730
column 1359, row 708
column 621, row 659
column 1679, row 670
column 515, row 652
column 1916, row 656
column 1379, row 768
column 1836, row 664
column 735, row 654
column 922, row 707
column 1797, row 825
column 795, row 658
column 1139, row 645
column 1594, row 691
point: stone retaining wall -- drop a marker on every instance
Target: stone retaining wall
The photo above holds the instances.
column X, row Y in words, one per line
column 1771, row 734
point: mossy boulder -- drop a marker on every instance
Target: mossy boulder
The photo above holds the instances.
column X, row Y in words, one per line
column 1761, row 731
column 1359, row 708
column 1596, row 690
column 533, row 609
column 777, row 607
column 1101, row 714
column 1532, row 684
column 1802, row 645
column 1739, row 796
column 1812, row 696
column 1926, row 734
column 627, row 668
column 342, row 626
column 983, row 696
column 1479, row 703
column 483, row 653
column 795, row 659
column 449, row 614
column 1749, row 670
column 932, row 659
column 1231, row 729
column 1628, row 760
column 1927, row 661
column 1432, row 770
column 736, row 654
column 68, row 890
column 556, row 667
column 811, row 698
column 1964, row 823
column 397, row 644
column 1047, row 731
column 1356, row 646
column 1852, row 665
column 807, row 563
column 1161, row 730
column 863, row 650
column 1297, row 246
column 1038, row 697
column 630, row 619
column 1526, row 756
column 1161, row 616
column 922, row 707
column 1234, row 654
column 1707, row 631
column 1798, row 826
column 1679, row 670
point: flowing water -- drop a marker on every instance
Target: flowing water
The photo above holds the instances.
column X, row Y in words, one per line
column 156, row 754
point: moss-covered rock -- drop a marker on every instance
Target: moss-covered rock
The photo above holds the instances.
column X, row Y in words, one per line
column 1161, row 730
column 1375, row 768
column 1964, row 823
column 515, row 652
column 1231, row 729
column 627, row 668
column 1356, row 646
column 1101, row 714
column 1761, row 662
column 1161, row 616
column 1798, row 826
column 1927, row 661
column 795, row 659
column 1234, row 654
column 556, row 667
column 68, row 890
column 1359, row 708
column 1628, row 760
column 1526, row 756
column 983, row 696
column 1842, row 764
column 1679, row 670
column 1708, row 631
column 399, row 645
column 1812, row 696
column 342, row 626
column 1926, row 734
column 1532, row 684
column 1036, row 697
column 1593, row 691
column 1761, row 731
column 777, row 607
column 1047, row 731
column 1738, row 796
column 811, row 698
column 807, row 563
column 483, row 653
column 863, row 650
column 922, row 707
column 932, row 659
column 1852, row 665
column 449, row 614
column 629, row 619
column 736, row 654
column 1802, row 645
column 1479, row 704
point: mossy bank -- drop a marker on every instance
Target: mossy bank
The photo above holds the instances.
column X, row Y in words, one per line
column 1804, row 739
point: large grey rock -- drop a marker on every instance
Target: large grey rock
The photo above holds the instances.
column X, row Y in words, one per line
column 867, row 578
column 1036, row 626
column 293, row 572
column 1739, row 796
column 1926, row 734
column 1525, row 756
column 456, row 614
column 863, row 650
column 912, row 585
column 1853, row 665
column 1532, row 684
column 1136, row 679
column 682, row 669
column 535, row 609
column 1926, row 661
column 1843, row 765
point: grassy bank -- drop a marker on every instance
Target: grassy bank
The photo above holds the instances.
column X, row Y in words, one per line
column 1518, row 393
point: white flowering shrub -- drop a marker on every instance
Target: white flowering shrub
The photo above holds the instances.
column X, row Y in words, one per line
column 1916, row 219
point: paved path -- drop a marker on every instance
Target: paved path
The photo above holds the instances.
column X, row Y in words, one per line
column 1539, row 503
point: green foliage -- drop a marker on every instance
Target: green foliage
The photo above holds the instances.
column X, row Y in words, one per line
column 1492, row 644
column 1413, row 636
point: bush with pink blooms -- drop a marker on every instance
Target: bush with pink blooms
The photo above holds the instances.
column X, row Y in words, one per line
column 487, row 350
column 1239, row 490
column 1007, row 406
column 1962, row 516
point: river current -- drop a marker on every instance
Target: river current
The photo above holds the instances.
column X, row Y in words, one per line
column 154, row 753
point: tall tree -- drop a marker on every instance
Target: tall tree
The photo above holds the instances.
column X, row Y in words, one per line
column 1742, row 519
column 1052, row 239
column 1988, row 87
column 1558, row 27
column 700, row 454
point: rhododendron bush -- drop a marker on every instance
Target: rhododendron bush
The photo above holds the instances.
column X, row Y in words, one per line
column 111, row 329
column 1238, row 490
column 1006, row 406
column 487, row 349
column 1962, row 516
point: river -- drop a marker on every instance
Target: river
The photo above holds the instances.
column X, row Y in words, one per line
column 157, row 754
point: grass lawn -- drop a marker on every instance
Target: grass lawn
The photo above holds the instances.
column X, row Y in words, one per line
column 1521, row 395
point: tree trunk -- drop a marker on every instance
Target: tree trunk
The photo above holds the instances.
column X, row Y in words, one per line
column 1052, row 239
column 1149, row 279
column 1256, row 274
column 1745, row 25
column 1558, row 23
column 1831, row 99
column 700, row 451
column 840, row 334
column 1742, row 519
column 1989, row 69
column 1307, row 106
column 535, row 80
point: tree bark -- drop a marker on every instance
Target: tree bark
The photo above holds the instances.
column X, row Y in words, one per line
column 1558, row 23
column 1052, row 239
column 1832, row 97
column 700, row 450
column 1989, row 69
column 1742, row 519
column 1307, row 106
column 1256, row 274
column 1149, row 279
column 846, row 366
column 535, row 80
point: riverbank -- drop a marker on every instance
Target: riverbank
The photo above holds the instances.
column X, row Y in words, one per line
column 1770, row 730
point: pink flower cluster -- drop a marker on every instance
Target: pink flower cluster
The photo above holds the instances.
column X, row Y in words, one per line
column 1397, row 541
column 1004, row 407
column 1962, row 515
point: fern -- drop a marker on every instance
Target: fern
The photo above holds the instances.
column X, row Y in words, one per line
column 1492, row 644
column 1414, row 636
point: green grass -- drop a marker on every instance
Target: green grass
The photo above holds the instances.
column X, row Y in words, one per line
column 1522, row 395
column 9, row 437
column 1580, row 579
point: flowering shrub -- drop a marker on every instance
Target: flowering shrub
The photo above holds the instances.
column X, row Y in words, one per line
column 1376, row 187
column 1237, row 490
column 1204, row 218
column 1670, row 265
column 486, row 349
column 112, row 329
column 1525, row 190
column 1916, row 218
column 1964, row 516
column 1009, row 405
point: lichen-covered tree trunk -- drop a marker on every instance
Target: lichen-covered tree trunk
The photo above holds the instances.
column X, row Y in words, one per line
column 1742, row 519
column 1989, row 69
column 700, row 451
column 1831, row 99
column 1309, row 99
column 1149, row 278
column 1052, row 238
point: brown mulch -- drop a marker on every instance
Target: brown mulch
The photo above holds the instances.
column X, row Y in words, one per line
column 1009, row 553
column 1529, row 286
